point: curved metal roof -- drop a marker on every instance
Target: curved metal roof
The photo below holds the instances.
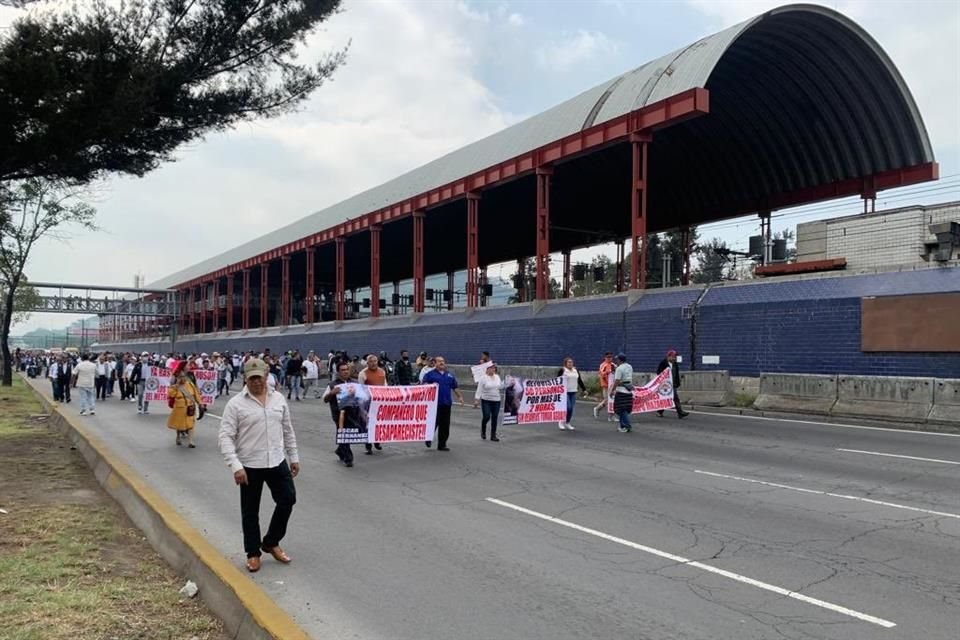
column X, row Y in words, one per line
column 800, row 96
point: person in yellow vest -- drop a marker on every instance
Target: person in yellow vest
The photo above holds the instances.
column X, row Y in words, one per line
column 185, row 402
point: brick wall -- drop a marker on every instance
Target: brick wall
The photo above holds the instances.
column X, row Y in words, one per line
column 803, row 325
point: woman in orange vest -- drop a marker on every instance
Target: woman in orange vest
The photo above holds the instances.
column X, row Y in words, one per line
column 606, row 368
column 185, row 402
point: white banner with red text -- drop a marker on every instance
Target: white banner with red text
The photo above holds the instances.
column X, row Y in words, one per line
column 386, row 414
column 158, row 384
column 532, row 401
column 656, row 395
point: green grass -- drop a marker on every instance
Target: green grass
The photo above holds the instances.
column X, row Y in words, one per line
column 744, row 400
column 72, row 565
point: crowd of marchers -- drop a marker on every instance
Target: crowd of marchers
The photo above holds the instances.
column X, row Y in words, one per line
column 256, row 435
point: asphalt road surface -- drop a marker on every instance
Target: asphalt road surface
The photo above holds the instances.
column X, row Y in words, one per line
column 714, row 527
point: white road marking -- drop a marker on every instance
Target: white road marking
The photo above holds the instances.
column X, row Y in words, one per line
column 699, row 565
column 828, row 424
column 213, row 415
column 832, row 495
column 897, row 455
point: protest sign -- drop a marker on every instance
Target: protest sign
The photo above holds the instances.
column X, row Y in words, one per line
column 387, row 414
column 158, row 384
column 531, row 401
column 478, row 370
column 656, row 395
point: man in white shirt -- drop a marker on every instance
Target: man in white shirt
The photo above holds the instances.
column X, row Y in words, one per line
column 53, row 372
column 103, row 376
column 311, row 377
column 84, row 379
column 256, row 440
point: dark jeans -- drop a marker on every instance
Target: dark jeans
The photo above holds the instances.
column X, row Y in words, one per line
column 345, row 453
column 65, row 389
column 57, row 390
column 101, row 385
column 443, row 425
column 571, row 403
column 280, row 482
column 490, row 409
column 123, row 388
column 676, row 403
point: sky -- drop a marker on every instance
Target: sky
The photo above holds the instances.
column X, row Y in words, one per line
column 425, row 77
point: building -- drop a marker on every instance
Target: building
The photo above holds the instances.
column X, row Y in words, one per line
column 885, row 239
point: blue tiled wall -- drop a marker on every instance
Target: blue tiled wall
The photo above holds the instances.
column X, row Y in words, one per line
column 801, row 326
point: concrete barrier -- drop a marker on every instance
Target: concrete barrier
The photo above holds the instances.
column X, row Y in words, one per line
column 247, row 612
column 706, row 388
column 946, row 402
column 909, row 399
column 797, row 393
column 745, row 385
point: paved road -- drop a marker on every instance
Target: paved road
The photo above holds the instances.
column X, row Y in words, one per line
column 716, row 527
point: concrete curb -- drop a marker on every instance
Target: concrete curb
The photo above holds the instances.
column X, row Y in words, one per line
column 246, row 611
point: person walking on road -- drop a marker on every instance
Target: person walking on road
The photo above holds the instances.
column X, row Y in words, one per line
column 259, row 445
column 448, row 386
column 84, row 379
column 342, row 377
column 375, row 375
column 185, row 402
column 670, row 362
column 293, row 374
column 604, row 371
column 65, row 371
column 622, row 392
column 488, row 397
column 572, row 382
column 138, row 378
column 311, row 376
column 404, row 369
column 103, row 377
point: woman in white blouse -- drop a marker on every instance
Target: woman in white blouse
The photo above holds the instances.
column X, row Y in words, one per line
column 488, row 397
column 572, row 382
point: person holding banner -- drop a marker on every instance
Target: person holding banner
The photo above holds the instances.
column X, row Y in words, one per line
column 377, row 376
column 622, row 392
column 572, row 383
column 488, row 396
column 447, row 383
column 185, row 403
column 670, row 362
column 344, row 452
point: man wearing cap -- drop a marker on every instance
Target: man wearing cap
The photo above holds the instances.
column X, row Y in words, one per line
column 621, row 392
column 257, row 441
column 671, row 362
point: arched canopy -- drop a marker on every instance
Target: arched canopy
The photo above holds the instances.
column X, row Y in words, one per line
column 803, row 105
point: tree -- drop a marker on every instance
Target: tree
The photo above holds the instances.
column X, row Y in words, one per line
column 530, row 283
column 25, row 297
column 118, row 87
column 713, row 258
column 590, row 287
column 36, row 208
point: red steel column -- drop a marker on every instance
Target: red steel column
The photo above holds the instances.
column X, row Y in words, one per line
column 521, row 280
column 450, row 289
column 264, row 294
column 215, row 316
column 375, row 270
column 311, row 292
column 638, row 210
column 566, row 274
column 230, row 282
column 543, row 232
column 419, row 292
column 285, row 291
column 245, row 308
column 473, row 249
column 340, row 295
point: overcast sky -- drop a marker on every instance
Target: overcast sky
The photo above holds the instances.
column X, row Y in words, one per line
column 426, row 77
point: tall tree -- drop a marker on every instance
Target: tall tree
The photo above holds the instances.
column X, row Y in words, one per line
column 37, row 208
column 713, row 259
column 530, row 283
column 118, row 87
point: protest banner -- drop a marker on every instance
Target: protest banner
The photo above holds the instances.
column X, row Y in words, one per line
column 387, row 414
column 158, row 384
column 478, row 370
column 656, row 395
column 532, row 401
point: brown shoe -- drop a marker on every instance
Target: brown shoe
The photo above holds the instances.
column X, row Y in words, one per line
column 253, row 564
column 278, row 554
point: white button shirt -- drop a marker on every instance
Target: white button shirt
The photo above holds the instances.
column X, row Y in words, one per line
column 256, row 435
